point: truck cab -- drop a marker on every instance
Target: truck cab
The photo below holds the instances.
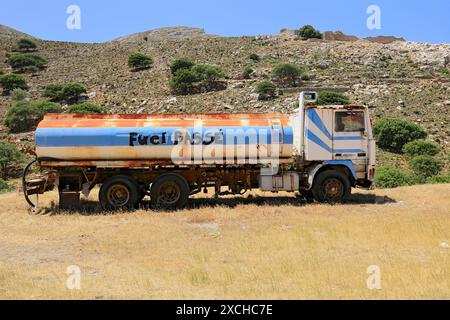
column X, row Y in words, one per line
column 335, row 138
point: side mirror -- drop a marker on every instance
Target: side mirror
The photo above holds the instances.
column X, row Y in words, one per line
column 310, row 96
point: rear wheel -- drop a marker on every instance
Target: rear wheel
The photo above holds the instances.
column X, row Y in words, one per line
column 169, row 192
column 119, row 192
column 331, row 186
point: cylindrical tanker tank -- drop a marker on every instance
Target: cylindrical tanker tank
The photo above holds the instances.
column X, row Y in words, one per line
column 206, row 138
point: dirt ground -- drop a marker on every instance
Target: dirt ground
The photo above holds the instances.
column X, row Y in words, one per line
column 384, row 244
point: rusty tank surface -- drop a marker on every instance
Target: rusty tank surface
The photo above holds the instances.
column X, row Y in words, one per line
column 72, row 137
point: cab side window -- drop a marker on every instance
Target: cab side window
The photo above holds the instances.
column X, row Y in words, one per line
column 349, row 121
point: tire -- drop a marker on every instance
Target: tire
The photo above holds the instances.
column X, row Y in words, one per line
column 331, row 186
column 119, row 193
column 169, row 192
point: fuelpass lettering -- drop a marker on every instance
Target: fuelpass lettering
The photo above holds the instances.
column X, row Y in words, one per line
column 177, row 137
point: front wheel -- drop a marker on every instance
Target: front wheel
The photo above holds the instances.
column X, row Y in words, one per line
column 332, row 187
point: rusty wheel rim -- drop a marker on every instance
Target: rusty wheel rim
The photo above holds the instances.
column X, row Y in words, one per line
column 333, row 189
column 118, row 195
column 169, row 193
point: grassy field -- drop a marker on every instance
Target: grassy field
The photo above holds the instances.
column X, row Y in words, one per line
column 261, row 247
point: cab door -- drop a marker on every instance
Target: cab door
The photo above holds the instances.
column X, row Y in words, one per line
column 350, row 136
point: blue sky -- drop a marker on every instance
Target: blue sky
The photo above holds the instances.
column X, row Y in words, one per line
column 103, row 20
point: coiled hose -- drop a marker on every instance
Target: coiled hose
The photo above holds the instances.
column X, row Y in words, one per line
column 24, row 183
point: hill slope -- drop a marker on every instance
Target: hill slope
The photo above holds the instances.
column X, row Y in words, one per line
column 401, row 79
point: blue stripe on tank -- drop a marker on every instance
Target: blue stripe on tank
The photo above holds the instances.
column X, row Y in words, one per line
column 119, row 136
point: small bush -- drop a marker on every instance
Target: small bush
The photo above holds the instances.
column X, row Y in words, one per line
column 390, row 177
column 179, row 64
column 25, row 115
column 266, row 90
column 246, row 74
column 13, row 81
column 309, row 32
column 70, row 92
column 27, row 62
column 394, row 133
column 332, row 98
column 1, row 72
column 305, row 77
column 255, row 57
column 19, row 94
column 139, row 61
column 425, row 166
column 53, row 91
column 287, row 73
column 5, row 186
column 420, row 148
column 9, row 154
column 26, row 45
column 86, row 108
column 438, row 179
column 208, row 73
column 183, row 81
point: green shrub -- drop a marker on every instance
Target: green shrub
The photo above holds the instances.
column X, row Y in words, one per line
column 19, row 94
column 59, row 92
column 26, row 45
column 72, row 91
column 438, row 179
column 1, row 72
column 305, row 77
column 53, row 91
column 139, row 61
column 390, row 177
column 5, row 186
column 394, row 133
column 425, row 166
column 309, row 32
column 179, row 64
column 246, row 74
column 332, row 98
column 9, row 154
column 266, row 90
column 255, row 57
column 183, row 80
column 287, row 73
column 13, row 81
column 25, row 115
column 207, row 72
column 27, row 62
column 86, row 108
column 420, row 148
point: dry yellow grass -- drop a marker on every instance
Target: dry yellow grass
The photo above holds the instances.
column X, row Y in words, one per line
column 259, row 248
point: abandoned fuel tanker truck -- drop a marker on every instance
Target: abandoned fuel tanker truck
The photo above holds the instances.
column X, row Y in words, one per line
column 320, row 152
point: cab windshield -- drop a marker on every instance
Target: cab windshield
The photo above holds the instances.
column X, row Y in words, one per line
column 349, row 121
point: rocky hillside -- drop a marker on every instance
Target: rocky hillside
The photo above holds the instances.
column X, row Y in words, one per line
column 396, row 78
